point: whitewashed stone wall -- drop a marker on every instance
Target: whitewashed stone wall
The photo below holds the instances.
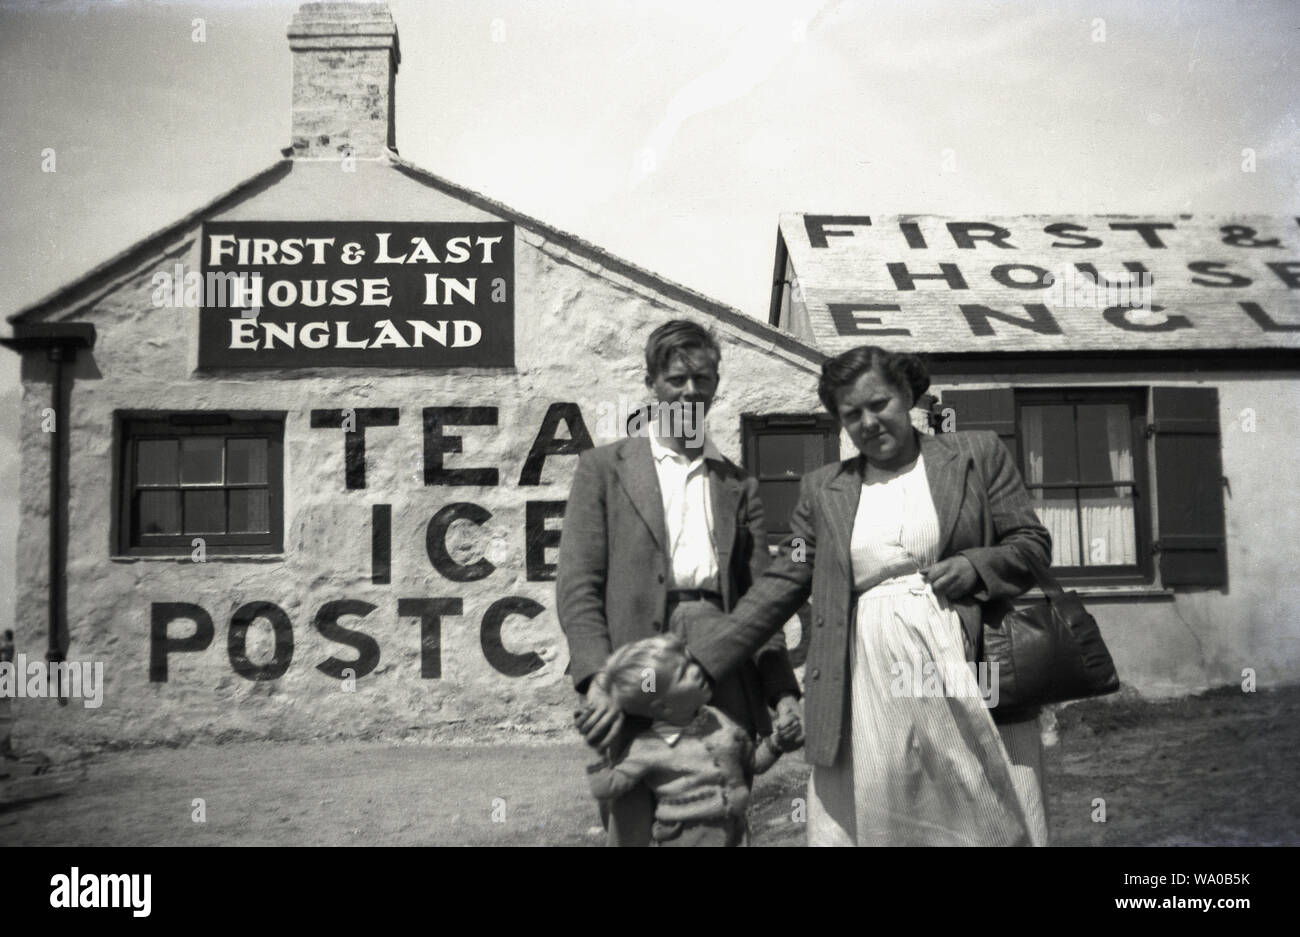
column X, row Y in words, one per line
column 580, row 331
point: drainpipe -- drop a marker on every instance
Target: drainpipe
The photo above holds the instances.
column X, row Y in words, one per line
column 58, row 528
column 60, row 340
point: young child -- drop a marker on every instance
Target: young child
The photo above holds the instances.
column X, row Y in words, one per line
column 698, row 762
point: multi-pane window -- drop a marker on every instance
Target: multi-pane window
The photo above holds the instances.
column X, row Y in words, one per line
column 1120, row 476
column 201, row 475
column 1079, row 455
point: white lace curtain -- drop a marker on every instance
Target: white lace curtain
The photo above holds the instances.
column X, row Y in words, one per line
column 1107, row 514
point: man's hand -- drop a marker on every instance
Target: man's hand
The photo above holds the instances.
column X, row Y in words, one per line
column 788, row 730
column 953, row 578
column 600, row 719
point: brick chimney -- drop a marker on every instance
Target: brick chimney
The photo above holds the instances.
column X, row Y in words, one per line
column 345, row 59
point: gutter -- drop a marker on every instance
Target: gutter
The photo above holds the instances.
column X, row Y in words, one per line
column 60, row 340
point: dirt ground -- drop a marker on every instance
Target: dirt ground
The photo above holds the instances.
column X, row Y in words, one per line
column 1220, row 768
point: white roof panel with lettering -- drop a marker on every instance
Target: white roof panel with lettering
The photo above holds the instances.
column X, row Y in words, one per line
column 1046, row 283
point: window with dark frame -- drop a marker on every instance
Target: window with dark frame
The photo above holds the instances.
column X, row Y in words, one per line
column 1082, row 457
column 1091, row 478
column 213, row 476
column 778, row 450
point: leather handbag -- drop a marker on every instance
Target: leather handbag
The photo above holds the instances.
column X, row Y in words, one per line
column 1046, row 653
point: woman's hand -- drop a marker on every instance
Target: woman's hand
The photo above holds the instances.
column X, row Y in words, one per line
column 953, row 578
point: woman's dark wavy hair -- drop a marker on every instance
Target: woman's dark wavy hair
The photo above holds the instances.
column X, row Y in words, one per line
column 904, row 372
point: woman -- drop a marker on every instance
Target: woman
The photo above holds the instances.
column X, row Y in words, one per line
column 902, row 550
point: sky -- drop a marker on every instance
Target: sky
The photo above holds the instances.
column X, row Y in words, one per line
column 671, row 133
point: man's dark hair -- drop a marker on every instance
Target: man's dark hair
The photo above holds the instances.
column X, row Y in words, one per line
column 674, row 337
column 9, row 633
column 905, row 373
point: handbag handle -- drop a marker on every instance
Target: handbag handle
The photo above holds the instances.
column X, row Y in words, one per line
column 1045, row 580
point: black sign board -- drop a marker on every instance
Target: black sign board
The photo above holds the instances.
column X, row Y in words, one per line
column 290, row 294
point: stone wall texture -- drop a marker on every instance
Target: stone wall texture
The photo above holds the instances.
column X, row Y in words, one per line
column 580, row 331
column 345, row 58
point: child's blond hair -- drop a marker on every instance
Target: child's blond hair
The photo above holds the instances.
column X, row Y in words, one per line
column 629, row 666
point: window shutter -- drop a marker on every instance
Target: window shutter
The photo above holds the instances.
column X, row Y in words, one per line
column 983, row 409
column 1189, row 486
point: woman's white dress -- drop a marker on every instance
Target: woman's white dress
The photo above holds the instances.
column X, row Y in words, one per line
column 922, row 762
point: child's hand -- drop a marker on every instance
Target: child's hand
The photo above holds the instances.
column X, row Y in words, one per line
column 788, row 730
column 788, row 737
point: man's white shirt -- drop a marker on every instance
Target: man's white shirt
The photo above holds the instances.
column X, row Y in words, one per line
column 688, row 515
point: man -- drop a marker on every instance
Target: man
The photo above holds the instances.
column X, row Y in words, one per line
column 660, row 534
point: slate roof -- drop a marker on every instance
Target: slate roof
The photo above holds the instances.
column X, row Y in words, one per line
column 832, row 282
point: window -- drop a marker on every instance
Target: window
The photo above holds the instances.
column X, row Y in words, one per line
column 1090, row 458
column 1081, row 454
column 779, row 449
column 213, row 476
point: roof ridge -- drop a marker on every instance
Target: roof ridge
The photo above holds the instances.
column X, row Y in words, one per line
column 128, row 257
column 63, row 293
column 595, row 252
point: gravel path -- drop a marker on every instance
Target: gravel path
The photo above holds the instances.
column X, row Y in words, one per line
column 1216, row 769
